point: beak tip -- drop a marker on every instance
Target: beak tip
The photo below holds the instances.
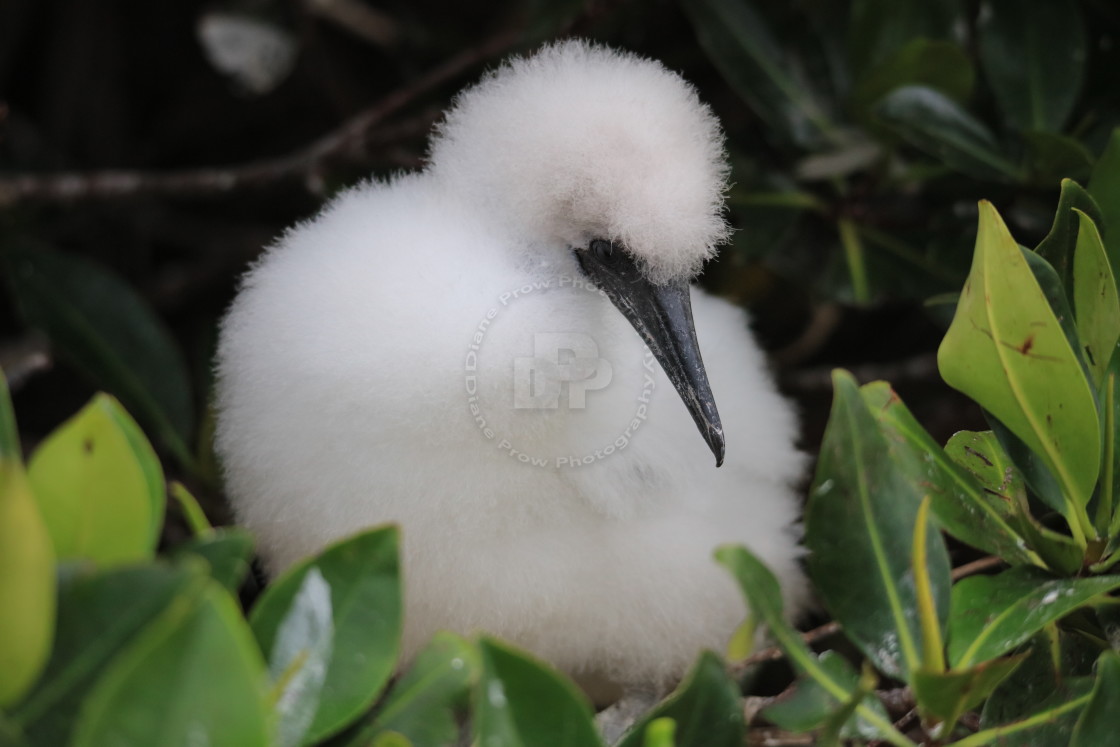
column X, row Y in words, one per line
column 718, row 448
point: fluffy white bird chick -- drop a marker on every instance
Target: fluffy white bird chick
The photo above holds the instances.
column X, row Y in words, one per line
column 431, row 351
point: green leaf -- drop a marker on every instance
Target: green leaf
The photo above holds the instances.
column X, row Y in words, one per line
column 1034, row 57
column 164, row 689
column 362, row 576
column 99, row 487
column 1104, row 186
column 1058, row 246
column 27, row 580
column 1051, row 157
column 744, row 49
column 764, row 598
column 422, row 704
column 940, row 65
column 11, row 736
column 858, row 528
column 109, row 334
column 979, row 453
column 192, row 512
column 879, row 28
column 1007, row 350
column 227, row 551
column 10, row 451
column 661, row 732
column 970, row 509
column 994, row 614
column 1035, row 705
column 300, row 657
column 934, row 123
column 1097, row 723
column 707, row 709
column 945, row 696
column 99, row 613
column 811, row 705
column 522, row 702
column 1095, row 301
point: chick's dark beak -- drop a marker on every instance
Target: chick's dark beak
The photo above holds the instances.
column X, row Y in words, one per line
column 662, row 316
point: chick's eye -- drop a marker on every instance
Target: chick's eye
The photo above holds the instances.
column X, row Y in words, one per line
column 603, row 250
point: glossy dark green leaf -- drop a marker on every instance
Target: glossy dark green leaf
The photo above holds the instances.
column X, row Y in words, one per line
column 99, row 486
column 99, row 613
column 423, row 703
column 1037, row 704
column 1034, row 58
column 858, row 528
column 227, row 551
column 934, row 123
column 522, row 702
column 944, row 696
column 300, row 659
column 109, row 334
column 879, row 28
column 940, row 65
column 1051, row 157
column 743, row 48
column 362, row 576
column 12, row 736
column 811, row 705
column 965, row 506
column 764, row 598
column 994, row 614
column 164, row 688
column 1058, row 246
column 10, row 450
column 1097, row 723
column 706, row 707
column 1007, row 350
column 1109, row 489
column 1104, row 186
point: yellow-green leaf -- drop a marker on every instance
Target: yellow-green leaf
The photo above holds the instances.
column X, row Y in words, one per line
column 27, row 578
column 1095, row 303
column 1006, row 350
column 99, row 486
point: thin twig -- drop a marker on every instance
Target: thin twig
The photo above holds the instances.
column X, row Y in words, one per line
column 348, row 141
column 976, row 566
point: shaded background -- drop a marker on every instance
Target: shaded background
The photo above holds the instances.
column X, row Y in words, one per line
column 133, row 157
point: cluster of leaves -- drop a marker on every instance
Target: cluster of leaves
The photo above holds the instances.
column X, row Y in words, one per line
column 881, row 122
column 104, row 641
column 1034, row 343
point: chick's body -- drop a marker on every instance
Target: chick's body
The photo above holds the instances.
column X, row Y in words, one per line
column 378, row 366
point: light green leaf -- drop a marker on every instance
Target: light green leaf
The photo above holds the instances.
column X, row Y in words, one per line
column 522, row 702
column 764, row 598
column 27, row 580
column 1034, row 57
column 994, row 614
column 362, row 575
column 934, row 123
column 99, row 487
column 706, row 708
column 858, row 528
column 1007, row 350
column 1095, row 302
column 1097, row 723
column 163, row 689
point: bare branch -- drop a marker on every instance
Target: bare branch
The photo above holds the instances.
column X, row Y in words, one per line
column 347, row 142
